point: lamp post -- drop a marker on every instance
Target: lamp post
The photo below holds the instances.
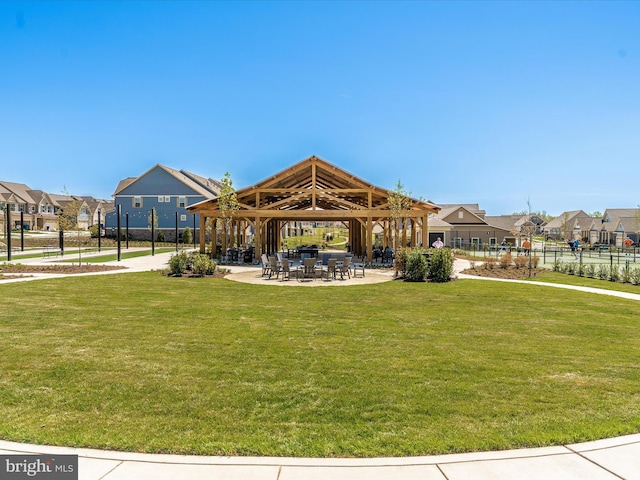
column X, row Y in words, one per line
column 153, row 232
column 22, row 231
column 99, row 231
column 7, row 221
column 119, row 228
column 176, row 231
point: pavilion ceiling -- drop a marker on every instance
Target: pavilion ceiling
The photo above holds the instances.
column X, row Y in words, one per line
column 313, row 189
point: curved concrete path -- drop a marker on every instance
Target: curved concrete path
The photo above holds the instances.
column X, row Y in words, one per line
column 609, row 459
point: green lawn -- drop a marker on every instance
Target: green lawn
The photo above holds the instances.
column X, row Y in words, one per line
column 143, row 362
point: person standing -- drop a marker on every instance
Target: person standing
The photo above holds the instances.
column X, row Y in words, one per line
column 438, row 243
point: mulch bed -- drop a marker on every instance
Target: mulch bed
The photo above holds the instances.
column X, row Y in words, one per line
column 62, row 269
column 511, row 273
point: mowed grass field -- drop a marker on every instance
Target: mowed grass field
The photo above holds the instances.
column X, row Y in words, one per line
column 143, row 362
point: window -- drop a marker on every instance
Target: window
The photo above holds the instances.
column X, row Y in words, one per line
column 183, row 218
column 160, row 198
column 475, row 241
column 182, row 202
column 493, row 241
column 167, row 199
column 458, row 242
column 460, row 214
column 137, row 202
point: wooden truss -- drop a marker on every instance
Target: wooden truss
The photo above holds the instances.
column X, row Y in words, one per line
column 315, row 190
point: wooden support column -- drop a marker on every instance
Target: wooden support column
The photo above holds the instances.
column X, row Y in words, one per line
column 404, row 232
column 203, row 232
column 258, row 238
column 278, row 236
column 214, row 237
column 414, row 238
column 369, row 239
column 425, row 231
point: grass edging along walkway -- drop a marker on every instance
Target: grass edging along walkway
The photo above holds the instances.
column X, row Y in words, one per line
column 144, row 362
column 112, row 257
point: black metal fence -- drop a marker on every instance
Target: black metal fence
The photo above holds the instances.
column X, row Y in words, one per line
column 549, row 254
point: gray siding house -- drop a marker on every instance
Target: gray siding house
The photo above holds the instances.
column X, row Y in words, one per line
column 169, row 192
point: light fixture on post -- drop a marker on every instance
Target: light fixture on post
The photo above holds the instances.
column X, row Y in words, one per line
column 99, row 230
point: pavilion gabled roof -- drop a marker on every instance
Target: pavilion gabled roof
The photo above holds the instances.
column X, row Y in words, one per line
column 313, row 185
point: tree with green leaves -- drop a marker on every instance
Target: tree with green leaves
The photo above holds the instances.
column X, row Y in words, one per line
column 228, row 205
column 399, row 203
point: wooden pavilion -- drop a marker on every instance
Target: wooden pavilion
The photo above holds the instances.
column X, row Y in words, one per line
column 315, row 190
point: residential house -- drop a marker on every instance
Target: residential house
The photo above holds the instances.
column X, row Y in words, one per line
column 165, row 191
column 464, row 225
column 34, row 209
column 615, row 225
column 568, row 226
column 96, row 209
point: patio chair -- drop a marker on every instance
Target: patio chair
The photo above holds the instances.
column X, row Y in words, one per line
column 274, row 270
column 387, row 257
column 330, row 270
column 345, row 267
column 266, row 265
column 307, row 269
column 285, row 269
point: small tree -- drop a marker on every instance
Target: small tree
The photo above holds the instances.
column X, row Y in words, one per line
column 68, row 218
column 399, row 204
column 186, row 236
column 228, row 205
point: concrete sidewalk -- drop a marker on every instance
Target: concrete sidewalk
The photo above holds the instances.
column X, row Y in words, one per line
column 616, row 458
column 600, row 460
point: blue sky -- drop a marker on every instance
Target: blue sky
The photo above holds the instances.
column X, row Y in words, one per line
column 496, row 103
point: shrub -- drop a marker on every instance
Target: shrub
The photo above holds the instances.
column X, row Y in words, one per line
column 506, row 260
column 441, row 265
column 625, row 275
column 603, row 272
column 570, row 268
column 589, row 270
column 160, row 236
column 178, row 263
column 203, row 265
column 186, row 236
column 580, row 270
column 490, row 262
column 558, row 266
column 535, row 261
column 614, row 273
column 635, row 276
column 416, row 266
column 521, row 262
column 400, row 260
